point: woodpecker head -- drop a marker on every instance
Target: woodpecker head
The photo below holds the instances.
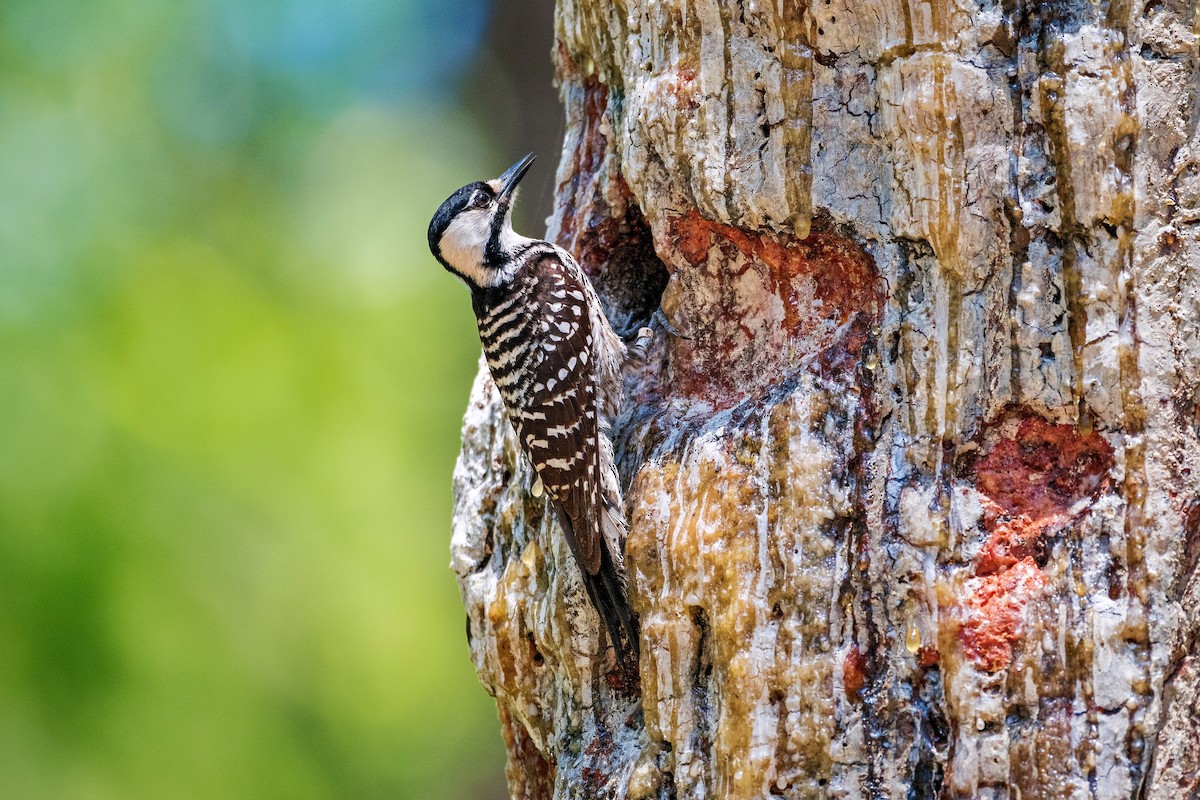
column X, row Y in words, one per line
column 472, row 235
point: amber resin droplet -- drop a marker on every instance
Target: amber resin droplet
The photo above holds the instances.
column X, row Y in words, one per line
column 912, row 641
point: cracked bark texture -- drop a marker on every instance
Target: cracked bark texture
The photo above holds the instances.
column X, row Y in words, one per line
column 914, row 510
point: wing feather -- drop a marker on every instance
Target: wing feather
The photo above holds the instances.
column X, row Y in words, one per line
column 560, row 427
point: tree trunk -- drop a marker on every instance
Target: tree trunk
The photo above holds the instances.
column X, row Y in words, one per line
column 914, row 507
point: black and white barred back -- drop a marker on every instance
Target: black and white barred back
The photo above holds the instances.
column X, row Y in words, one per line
column 556, row 362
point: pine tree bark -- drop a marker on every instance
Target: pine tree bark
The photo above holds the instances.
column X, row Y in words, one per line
column 915, row 507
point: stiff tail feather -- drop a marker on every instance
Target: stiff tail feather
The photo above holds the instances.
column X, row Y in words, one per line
column 606, row 590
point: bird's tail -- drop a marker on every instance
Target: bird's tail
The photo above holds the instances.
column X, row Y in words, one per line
column 607, row 591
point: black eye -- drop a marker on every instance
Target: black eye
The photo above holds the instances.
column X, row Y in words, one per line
column 480, row 200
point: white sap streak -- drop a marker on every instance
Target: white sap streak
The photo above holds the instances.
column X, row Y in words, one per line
column 763, row 731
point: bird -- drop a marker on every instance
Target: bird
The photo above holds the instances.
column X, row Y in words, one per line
column 557, row 363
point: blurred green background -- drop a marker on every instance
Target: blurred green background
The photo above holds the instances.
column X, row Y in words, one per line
column 231, row 383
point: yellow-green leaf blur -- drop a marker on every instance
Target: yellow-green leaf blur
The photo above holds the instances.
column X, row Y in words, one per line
column 231, row 383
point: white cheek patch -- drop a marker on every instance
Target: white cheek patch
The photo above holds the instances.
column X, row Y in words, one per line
column 463, row 245
column 465, row 241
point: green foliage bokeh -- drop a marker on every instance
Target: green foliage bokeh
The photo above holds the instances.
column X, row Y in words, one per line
column 231, row 380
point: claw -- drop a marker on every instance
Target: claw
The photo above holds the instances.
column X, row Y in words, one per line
column 660, row 316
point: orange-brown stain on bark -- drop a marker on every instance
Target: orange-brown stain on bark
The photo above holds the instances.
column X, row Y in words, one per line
column 580, row 195
column 686, row 92
column 527, row 767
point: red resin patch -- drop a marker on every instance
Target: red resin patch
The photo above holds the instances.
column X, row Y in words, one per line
column 854, row 673
column 1044, row 470
column 693, row 236
column 846, row 280
column 822, row 281
column 1028, row 485
column 995, row 612
column 928, row 655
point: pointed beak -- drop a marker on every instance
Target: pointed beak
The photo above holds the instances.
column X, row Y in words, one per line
column 512, row 176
